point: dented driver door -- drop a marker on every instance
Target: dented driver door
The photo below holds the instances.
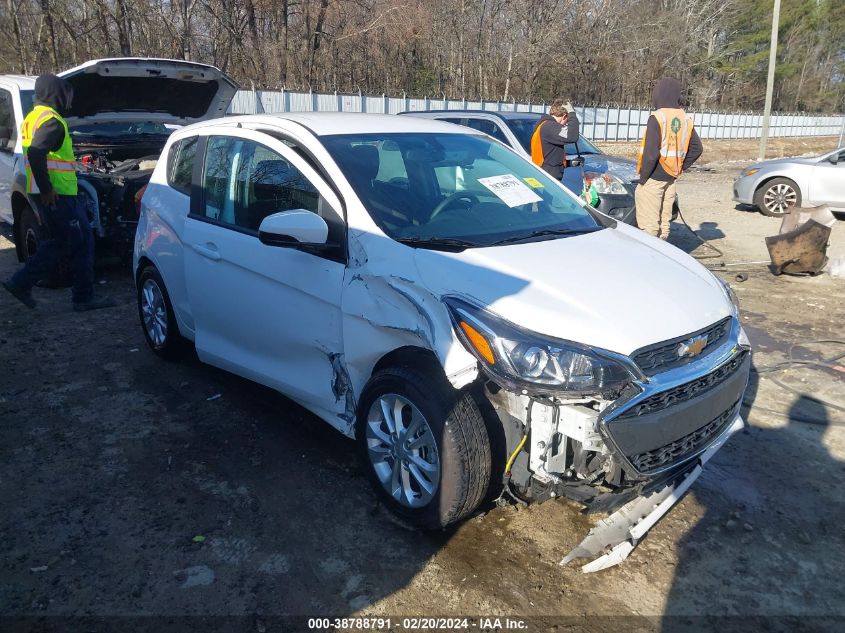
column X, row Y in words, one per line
column 268, row 313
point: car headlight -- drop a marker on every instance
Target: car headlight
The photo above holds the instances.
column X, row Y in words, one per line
column 604, row 183
column 749, row 171
column 523, row 360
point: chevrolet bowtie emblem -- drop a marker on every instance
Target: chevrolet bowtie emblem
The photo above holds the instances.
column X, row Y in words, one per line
column 692, row 347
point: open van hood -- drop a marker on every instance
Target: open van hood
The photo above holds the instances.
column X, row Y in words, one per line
column 139, row 89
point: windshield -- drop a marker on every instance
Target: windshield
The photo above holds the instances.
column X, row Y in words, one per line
column 461, row 188
column 523, row 129
column 125, row 131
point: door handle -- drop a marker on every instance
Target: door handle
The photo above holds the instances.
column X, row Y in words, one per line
column 210, row 251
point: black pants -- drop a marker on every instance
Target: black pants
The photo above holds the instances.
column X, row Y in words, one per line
column 70, row 236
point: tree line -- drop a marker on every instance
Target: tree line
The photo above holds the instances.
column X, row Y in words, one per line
column 593, row 51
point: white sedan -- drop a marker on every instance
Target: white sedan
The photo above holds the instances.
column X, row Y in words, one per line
column 773, row 186
column 432, row 294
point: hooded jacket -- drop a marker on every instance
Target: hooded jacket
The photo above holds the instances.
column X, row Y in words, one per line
column 554, row 138
column 667, row 94
column 56, row 93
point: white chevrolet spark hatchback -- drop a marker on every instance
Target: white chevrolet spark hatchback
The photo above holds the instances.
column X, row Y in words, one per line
column 432, row 294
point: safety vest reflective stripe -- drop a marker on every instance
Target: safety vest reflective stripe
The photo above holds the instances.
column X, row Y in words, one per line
column 60, row 165
column 41, row 118
column 53, row 165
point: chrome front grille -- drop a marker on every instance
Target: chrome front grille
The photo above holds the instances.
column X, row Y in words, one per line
column 676, row 451
column 688, row 390
column 662, row 356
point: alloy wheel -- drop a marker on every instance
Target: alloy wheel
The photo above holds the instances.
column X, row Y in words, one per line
column 402, row 450
column 779, row 198
column 154, row 312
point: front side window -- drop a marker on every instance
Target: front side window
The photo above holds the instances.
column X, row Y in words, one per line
column 523, row 129
column 27, row 98
column 181, row 165
column 460, row 187
column 245, row 181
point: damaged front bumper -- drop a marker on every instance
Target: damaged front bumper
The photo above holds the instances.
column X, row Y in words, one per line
column 638, row 454
column 622, row 530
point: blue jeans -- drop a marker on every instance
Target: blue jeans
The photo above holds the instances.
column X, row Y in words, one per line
column 71, row 237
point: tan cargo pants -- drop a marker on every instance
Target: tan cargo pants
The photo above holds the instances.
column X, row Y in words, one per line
column 654, row 201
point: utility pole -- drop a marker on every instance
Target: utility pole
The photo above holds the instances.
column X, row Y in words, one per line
column 842, row 131
column 770, row 82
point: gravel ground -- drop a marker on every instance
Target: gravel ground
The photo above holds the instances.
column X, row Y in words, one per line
column 126, row 490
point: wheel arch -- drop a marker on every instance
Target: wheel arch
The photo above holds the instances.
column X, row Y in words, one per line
column 143, row 262
column 408, row 356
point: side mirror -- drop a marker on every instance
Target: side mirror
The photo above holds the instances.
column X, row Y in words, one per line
column 293, row 228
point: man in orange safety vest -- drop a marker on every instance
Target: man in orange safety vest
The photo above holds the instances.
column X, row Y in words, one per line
column 668, row 148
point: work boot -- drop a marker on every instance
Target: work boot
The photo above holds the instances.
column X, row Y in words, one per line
column 24, row 296
column 94, row 303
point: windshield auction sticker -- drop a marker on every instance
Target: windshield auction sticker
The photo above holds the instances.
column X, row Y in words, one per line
column 534, row 183
column 510, row 190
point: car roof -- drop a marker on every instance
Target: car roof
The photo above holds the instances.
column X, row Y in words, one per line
column 329, row 123
column 24, row 82
column 501, row 115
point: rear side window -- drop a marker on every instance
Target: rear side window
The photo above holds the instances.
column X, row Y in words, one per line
column 488, row 127
column 181, row 169
column 8, row 128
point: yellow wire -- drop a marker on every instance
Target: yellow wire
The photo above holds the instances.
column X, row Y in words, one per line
column 513, row 456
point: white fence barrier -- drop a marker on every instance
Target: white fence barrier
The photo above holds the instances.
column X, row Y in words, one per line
column 600, row 123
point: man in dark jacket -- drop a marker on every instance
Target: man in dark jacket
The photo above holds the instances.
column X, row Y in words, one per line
column 51, row 185
column 670, row 146
column 551, row 134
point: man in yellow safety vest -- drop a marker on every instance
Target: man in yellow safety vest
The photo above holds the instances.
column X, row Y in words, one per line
column 669, row 147
column 50, row 168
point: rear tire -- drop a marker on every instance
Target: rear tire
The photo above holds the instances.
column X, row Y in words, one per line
column 158, row 321
column 424, row 446
column 777, row 196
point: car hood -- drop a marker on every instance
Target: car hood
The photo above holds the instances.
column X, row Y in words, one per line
column 138, row 89
column 623, row 168
column 780, row 162
column 616, row 289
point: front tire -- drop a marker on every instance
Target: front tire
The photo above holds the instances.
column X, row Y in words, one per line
column 158, row 321
column 777, row 196
column 31, row 234
column 424, row 446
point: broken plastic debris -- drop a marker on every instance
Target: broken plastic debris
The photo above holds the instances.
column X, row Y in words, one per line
column 216, row 396
column 626, row 527
column 199, row 538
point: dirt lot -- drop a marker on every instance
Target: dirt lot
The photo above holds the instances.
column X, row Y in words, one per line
column 127, row 491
